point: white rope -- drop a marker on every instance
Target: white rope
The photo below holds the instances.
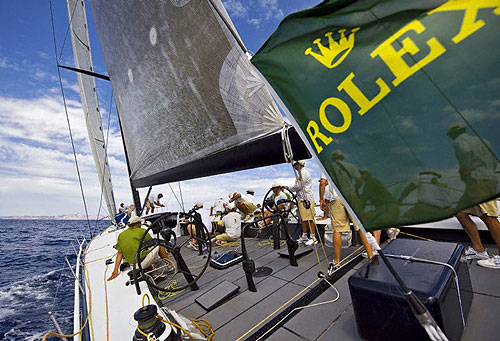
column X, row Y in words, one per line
column 306, row 306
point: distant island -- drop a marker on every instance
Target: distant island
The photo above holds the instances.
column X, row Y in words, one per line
column 76, row 216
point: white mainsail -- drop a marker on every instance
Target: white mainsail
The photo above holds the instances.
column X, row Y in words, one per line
column 90, row 104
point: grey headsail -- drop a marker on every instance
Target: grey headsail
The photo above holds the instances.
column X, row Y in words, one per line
column 185, row 89
column 83, row 60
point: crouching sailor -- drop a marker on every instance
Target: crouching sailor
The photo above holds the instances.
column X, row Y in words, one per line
column 128, row 243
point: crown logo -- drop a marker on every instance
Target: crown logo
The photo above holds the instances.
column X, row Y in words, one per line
column 335, row 54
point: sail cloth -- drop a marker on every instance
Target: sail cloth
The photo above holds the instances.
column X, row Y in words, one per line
column 399, row 100
column 185, row 89
column 90, row 104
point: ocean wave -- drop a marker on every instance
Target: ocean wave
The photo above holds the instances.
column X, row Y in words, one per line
column 4, row 312
column 17, row 334
column 36, row 288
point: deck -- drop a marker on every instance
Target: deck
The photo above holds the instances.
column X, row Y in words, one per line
column 251, row 316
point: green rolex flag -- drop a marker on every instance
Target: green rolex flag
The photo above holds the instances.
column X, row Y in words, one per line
column 399, row 99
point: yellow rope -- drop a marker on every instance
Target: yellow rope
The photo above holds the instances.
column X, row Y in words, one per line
column 84, row 324
column 143, row 297
column 97, row 249
column 322, row 244
column 414, row 236
column 87, row 283
column 204, row 327
column 281, row 307
column 106, row 301
column 163, row 295
column 294, row 297
column 149, row 338
column 317, row 257
column 98, row 259
column 175, row 325
column 270, row 242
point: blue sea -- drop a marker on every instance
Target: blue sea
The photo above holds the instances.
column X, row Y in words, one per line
column 34, row 277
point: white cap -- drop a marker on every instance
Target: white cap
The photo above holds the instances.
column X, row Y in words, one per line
column 250, row 190
column 230, row 206
column 134, row 220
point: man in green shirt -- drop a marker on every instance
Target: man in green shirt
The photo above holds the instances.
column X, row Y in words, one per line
column 128, row 243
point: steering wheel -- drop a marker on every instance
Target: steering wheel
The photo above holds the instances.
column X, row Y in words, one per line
column 284, row 207
column 166, row 238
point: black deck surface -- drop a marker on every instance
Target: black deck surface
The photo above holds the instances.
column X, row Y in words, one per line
column 247, row 312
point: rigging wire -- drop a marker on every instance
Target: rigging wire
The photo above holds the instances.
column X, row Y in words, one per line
column 73, row 11
column 88, row 319
column 182, row 200
column 180, row 206
column 57, row 290
column 67, row 119
column 288, row 155
column 105, row 163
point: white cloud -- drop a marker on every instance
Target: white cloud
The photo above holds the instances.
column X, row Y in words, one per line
column 235, row 8
column 476, row 115
column 495, row 103
column 71, row 85
column 44, row 55
column 255, row 22
column 37, row 159
column 262, row 11
column 39, row 75
column 271, row 9
column 209, row 189
column 39, row 175
column 6, row 64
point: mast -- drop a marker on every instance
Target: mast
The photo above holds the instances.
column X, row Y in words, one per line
column 90, row 103
column 135, row 193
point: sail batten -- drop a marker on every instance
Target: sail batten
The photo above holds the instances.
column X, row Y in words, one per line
column 90, row 104
column 181, row 96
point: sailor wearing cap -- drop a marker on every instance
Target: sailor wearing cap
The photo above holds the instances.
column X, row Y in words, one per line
column 305, row 195
column 231, row 224
column 246, row 207
column 128, row 244
column 250, row 196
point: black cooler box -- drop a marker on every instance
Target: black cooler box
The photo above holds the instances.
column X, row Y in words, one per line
column 382, row 312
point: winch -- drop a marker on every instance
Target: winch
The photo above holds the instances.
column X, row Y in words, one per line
column 151, row 327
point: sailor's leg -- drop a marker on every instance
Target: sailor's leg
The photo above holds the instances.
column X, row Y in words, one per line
column 192, row 230
column 337, row 246
column 494, row 227
column 471, row 229
column 368, row 247
column 377, row 234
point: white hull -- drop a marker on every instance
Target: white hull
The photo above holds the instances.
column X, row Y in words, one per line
column 111, row 304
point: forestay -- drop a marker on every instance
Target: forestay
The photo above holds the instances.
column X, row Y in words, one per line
column 185, row 89
column 90, row 104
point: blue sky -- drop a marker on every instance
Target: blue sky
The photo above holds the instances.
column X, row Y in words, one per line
column 37, row 170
